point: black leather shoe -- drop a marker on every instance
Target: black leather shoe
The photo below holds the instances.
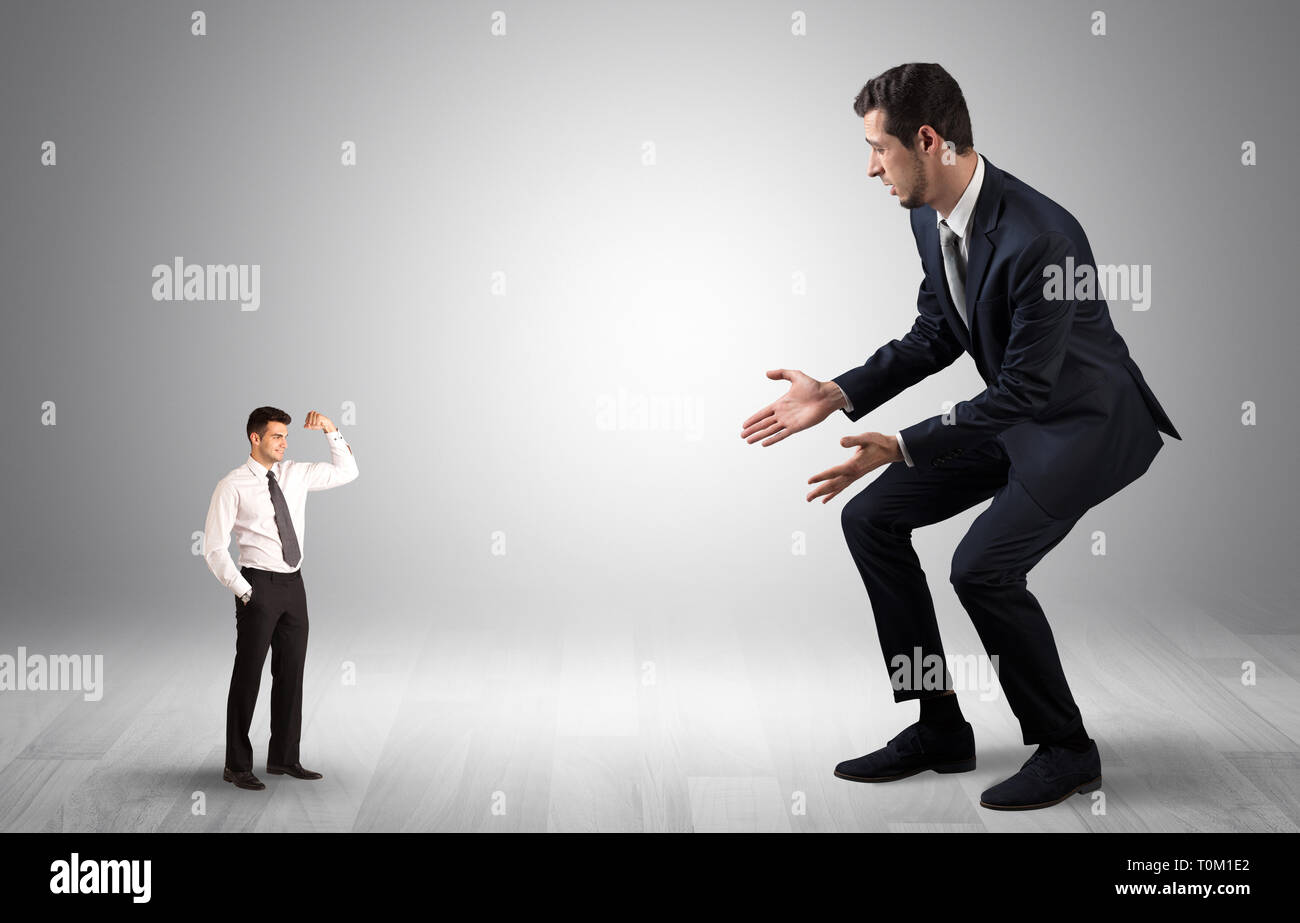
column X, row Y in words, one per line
column 244, row 779
column 916, row 748
column 1051, row 775
column 295, row 770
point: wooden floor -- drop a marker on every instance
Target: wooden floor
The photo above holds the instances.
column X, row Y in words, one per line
column 660, row 723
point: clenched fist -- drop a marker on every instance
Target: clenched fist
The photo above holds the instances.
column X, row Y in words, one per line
column 318, row 421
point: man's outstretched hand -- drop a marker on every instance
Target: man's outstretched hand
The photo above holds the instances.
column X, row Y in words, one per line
column 873, row 450
column 806, row 404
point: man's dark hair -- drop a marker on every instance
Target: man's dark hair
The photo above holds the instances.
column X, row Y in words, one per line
column 912, row 95
column 258, row 419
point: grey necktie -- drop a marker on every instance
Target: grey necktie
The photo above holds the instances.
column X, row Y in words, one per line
column 953, row 268
column 288, row 538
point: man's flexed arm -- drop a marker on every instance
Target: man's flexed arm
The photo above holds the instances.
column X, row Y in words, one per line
column 341, row 468
column 216, row 539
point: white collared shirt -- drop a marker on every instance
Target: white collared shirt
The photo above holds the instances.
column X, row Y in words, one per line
column 242, row 501
column 964, row 210
column 959, row 220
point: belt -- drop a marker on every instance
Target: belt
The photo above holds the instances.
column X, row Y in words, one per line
column 273, row 576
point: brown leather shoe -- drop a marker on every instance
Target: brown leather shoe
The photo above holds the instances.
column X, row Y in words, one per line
column 244, row 779
column 295, row 770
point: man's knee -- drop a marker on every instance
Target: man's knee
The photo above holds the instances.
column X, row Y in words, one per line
column 974, row 571
column 862, row 512
column 970, row 571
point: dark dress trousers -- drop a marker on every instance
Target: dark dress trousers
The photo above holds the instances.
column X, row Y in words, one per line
column 1066, row 420
column 275, row 618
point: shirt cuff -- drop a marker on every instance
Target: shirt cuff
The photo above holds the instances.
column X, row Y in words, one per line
column 903, row 448
column 848, row 405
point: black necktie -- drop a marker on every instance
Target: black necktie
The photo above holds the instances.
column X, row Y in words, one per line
column 288, row 538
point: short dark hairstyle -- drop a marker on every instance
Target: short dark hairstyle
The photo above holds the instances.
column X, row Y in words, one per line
column 912, row 95
column 258, row 419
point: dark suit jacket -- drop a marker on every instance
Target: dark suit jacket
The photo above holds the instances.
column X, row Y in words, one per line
column 1064, row 398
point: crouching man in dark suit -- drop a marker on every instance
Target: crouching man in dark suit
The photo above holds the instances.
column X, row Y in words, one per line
column 1066, row 420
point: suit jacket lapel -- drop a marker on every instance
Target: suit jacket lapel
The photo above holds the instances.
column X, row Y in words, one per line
column 988, row 208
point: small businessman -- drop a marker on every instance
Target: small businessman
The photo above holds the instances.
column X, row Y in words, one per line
column 264, row 502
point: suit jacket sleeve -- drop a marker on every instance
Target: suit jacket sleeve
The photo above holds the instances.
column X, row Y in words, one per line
column 928, row 347
column 1040, row 328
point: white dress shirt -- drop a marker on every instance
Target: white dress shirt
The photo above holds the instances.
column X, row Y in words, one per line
column 242, row 501
column 959, row 221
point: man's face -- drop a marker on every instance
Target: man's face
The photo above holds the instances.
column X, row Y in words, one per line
column 896, row 165
column 271, row 447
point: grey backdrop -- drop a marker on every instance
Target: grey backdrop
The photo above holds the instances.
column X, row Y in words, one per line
column 479, row 412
